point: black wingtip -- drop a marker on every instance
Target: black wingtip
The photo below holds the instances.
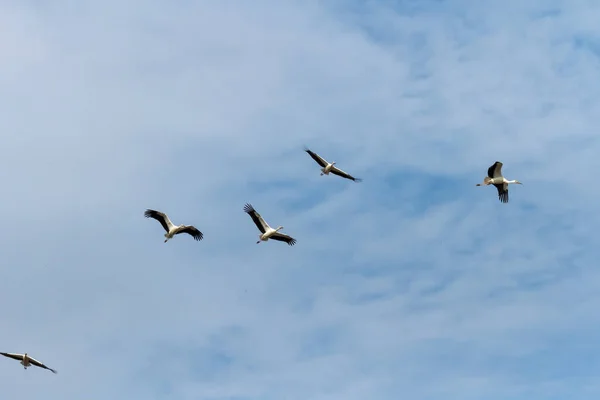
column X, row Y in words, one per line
column 248, row 208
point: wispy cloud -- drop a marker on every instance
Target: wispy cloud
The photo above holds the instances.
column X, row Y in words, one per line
column 411, row 284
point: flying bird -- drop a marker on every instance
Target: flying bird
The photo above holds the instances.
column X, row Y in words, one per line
column 171, row 229
column 495, row 178
column 328, row 167
column 26, row 361
column 266, row 231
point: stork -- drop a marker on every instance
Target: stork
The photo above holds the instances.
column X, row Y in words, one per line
column 495, row 178
column 327, row 167
column 172, row 229
column 26, row 361
column 266, row 231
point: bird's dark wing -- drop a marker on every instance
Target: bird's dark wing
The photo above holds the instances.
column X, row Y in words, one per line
column 502, row 192
column 339, row 172
column 495, row 171
column 39, row 364
column 317, row 158
column 14, row 356
column 160, row 217
column 192, row 231
column 283, row 238
column 258, row 220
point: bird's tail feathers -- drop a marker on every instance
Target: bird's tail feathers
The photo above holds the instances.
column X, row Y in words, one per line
column 486, row 181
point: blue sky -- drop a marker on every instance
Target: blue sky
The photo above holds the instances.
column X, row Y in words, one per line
column 413, row 284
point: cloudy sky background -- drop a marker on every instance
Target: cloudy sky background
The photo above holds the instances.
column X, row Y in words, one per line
column 413, row 284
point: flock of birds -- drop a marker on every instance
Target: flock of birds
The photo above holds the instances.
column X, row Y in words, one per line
column 494, row 177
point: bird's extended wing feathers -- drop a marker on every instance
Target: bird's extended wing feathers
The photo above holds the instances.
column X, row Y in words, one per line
column 316, row 157
column 258, row 220
column 160, row 217
column 495, row 171
column 192, row 231
column 339, row 172
column 502, row 192
column 282, row 237
column 40, row 364
column 14, row 356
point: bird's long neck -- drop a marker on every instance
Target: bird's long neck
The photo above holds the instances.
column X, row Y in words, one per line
column 513, row 181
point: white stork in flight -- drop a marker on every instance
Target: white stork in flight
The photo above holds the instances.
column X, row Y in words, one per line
column 26, row 361
column 328, row 167
column 495, row 178
column 266, row 231
column 172, row 229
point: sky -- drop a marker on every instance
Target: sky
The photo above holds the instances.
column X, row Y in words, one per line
column 413, row 284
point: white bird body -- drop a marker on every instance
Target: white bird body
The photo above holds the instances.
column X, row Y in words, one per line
column 329, row 167
column 171, row 228
column 269, row 232
column 26, row 361
column 266, row 231
column 500, row 182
